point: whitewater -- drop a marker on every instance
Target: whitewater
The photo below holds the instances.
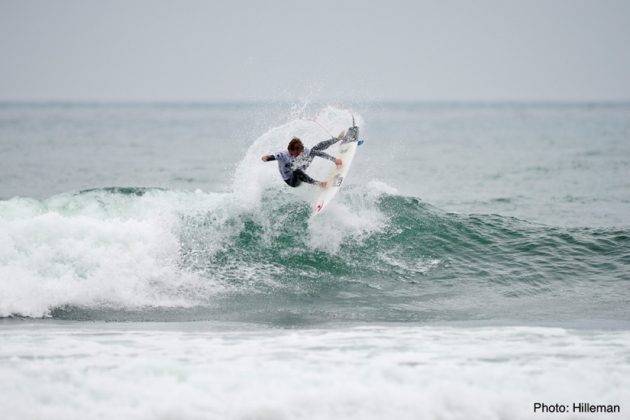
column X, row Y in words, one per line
column 477, row 261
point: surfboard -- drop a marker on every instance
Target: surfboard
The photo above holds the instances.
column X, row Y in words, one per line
column 347, row 150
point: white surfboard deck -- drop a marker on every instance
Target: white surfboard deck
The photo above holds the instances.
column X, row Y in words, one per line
column 347, row 150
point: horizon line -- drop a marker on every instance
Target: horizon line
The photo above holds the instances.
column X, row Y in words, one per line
column 235, row 102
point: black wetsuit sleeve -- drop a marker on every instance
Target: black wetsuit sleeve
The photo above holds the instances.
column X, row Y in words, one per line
column 321, row 154
column 326, row 143
column 317, row 150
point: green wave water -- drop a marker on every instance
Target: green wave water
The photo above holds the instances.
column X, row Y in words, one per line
column 272, row 263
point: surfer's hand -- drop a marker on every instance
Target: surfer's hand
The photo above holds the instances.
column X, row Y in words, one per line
column 265, row 158
column 338, row 162
column 323, row 184
column 341, row 134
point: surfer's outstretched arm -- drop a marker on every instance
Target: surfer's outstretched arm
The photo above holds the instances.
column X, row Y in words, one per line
column 321, row 154
column 268, row 158
column 323, row 145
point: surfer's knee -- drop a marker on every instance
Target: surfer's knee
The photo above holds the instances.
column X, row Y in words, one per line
column 293, row 182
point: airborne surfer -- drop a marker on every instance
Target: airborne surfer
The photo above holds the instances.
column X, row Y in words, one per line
column 293, row 162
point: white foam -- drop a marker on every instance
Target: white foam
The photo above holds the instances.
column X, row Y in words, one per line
column 93, row 249
column 350, row 373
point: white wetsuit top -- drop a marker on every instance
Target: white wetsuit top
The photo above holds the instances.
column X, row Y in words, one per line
column 287, row 163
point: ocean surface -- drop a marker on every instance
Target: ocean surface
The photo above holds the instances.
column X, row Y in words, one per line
column 475, row 262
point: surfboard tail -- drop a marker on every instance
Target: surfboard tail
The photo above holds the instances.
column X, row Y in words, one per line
column 352, row 134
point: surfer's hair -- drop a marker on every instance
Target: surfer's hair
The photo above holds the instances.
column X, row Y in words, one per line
column 295, row 145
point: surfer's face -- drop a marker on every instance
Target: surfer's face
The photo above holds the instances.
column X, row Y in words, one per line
column 295, row 153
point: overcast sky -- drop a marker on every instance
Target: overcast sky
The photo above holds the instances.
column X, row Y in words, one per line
column 462, row 50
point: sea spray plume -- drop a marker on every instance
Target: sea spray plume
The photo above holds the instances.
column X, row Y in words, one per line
column 251, row 178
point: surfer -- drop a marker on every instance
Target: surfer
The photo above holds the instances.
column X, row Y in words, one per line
column 293, row 162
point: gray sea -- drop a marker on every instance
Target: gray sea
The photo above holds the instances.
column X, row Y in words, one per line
column 475, row 262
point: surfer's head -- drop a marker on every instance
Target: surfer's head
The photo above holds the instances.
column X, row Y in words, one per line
column 295, row 146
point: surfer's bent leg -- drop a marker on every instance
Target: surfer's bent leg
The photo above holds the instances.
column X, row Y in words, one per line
column 323, row 145
column 298, row 177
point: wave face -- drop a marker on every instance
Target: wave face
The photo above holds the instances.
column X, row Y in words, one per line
column 139, row 254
